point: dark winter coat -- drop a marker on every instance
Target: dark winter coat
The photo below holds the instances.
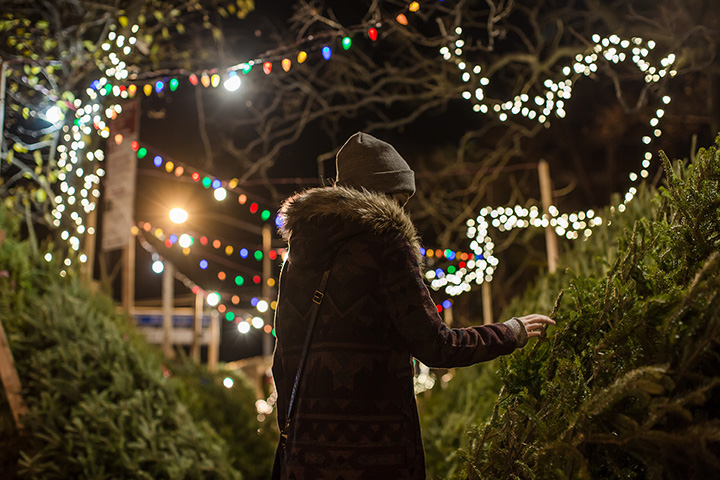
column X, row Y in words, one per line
column 356, row 416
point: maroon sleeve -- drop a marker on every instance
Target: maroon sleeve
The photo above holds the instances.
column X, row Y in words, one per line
column 415, row 316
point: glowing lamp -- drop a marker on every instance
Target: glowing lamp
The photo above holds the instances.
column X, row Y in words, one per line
column 53, row 114
column 178, row 215
column 233, row 82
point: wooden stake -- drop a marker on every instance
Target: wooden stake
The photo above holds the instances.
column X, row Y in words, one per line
column 214, row 347
column 487, row 303
column 168, row 303
column 10, row 379
column 197, row 327
column 546, row 194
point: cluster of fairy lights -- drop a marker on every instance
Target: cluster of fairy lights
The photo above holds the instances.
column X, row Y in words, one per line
column 219, row 187
column 457, row 280
column 229, row 308
column 76, row 161
column 78, row 198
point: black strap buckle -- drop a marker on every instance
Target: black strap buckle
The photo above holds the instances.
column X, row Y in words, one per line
column 318, row 297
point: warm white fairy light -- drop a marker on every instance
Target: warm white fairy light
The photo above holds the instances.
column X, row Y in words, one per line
column 540, row 108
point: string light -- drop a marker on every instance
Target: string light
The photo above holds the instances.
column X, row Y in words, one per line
column 539, row 108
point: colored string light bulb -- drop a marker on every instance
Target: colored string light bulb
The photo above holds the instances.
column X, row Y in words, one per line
column 159, row 85
column 414, row 7
column 267, row 68
column 301, row 56
column 373, row 34
column 147, row 89
column 205, row 80
column 157, row 161
column 402, row 19
column 215, row 80
column 326, row 52
column 174, row 84
column 286, row 64
column 193, row 80
column 245, row 68
column 346, row 43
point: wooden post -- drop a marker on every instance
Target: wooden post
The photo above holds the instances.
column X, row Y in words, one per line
column 168, row 300
column 487, row 303
column 197, row 326
column 128, row 282
column 8, row 372
column 214, row 347
column 546, row 195
column 10, row 378
column 267, row 272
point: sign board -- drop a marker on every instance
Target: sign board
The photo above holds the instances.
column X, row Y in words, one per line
column 121, row 166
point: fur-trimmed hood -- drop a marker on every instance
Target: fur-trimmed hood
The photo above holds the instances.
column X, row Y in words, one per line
column 319, row 221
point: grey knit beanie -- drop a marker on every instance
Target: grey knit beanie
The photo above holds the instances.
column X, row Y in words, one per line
column 366, row 162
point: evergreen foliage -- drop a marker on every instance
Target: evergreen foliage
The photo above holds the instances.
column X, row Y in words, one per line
column 628, row 384
column 231, row 413
column 99, row 403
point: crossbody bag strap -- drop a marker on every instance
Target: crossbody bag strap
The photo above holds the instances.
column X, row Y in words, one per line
column 314, row 308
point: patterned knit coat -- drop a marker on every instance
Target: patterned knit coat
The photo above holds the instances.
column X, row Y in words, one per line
column 355, row 415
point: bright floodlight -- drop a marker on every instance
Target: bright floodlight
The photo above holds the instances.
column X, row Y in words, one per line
column 213, row 299
column 233, row 82
column 53, row 114
column 178, row 215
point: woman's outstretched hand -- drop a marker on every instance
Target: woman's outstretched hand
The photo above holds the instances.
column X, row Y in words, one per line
column 535, row 323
